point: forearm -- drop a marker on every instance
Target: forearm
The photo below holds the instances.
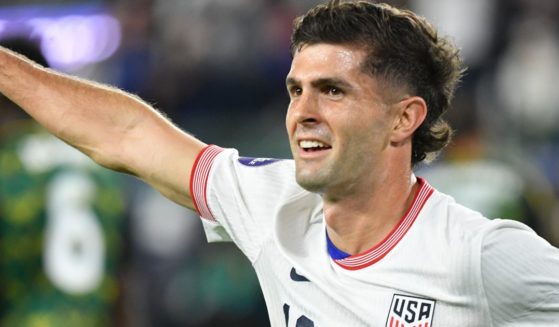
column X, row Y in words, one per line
column 87, row 115
column 116, row 129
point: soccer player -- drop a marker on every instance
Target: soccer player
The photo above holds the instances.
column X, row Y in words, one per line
column 345, row 234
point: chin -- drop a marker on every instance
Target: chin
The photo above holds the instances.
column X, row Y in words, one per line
column 311, row 183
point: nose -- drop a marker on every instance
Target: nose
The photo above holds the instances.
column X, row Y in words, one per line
column 304, row 109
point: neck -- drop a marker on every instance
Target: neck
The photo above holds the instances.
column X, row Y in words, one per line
column 358, row 222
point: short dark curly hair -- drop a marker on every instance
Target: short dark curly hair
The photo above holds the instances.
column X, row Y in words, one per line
column 404, row 50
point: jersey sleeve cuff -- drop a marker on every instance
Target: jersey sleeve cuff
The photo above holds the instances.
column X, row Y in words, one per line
column 199, row 180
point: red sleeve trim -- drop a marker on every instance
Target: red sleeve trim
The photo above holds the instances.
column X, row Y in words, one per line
column 199, row 180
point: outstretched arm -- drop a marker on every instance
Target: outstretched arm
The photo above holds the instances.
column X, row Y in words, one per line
column 116, row 129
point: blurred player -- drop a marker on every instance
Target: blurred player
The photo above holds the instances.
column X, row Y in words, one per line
column 345, row 234
column 60, row 225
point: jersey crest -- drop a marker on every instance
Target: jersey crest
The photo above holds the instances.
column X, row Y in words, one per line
column 410, row 311
column 256, row 162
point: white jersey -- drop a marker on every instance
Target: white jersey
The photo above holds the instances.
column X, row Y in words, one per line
column 442, row 265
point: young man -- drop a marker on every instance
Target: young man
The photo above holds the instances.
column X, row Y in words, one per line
column 345, row 234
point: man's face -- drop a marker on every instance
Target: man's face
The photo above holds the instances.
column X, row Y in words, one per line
column 338, row 125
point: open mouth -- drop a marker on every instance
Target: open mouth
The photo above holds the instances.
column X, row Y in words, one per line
column 313, row 146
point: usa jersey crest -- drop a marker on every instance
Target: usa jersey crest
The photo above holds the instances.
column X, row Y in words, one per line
column 410, row 311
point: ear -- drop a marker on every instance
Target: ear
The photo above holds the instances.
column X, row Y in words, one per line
column 411, row 112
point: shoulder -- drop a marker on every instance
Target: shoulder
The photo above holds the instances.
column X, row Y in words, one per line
column 473, row 230
column 511, row 245
column 520, row 273
column 227, row 158
column 254, row 174
column 244, row 195
column 458, row 221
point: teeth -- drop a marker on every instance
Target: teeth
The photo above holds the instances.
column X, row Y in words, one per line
column 311, row 144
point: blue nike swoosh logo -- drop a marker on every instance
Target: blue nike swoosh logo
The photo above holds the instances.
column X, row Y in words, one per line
column 296, row 277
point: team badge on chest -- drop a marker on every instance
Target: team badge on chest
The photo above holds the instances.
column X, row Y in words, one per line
column 410, row 311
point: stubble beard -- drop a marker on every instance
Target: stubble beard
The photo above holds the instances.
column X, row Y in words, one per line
column 333, row 179
column 314, row 181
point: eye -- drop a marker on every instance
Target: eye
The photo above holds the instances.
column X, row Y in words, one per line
column 295, row 91
column 333, row 91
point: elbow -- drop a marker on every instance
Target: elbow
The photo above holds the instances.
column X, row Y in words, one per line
column 110, row 158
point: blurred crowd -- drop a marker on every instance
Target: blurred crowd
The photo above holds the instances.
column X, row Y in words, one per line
column 217, row 68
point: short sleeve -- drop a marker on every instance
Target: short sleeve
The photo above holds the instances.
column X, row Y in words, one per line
column 520, row 273
column 238, row 197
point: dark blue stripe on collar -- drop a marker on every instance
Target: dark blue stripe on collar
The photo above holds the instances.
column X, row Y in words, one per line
column 334, row 252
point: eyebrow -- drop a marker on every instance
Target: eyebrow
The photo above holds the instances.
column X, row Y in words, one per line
column 321, row 82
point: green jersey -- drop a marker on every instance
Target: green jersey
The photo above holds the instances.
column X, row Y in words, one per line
column 60, row 220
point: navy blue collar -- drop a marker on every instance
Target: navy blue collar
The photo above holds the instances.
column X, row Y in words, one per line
column 334, row 252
